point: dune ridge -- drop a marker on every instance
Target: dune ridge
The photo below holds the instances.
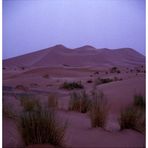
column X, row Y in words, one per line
column 60, row 55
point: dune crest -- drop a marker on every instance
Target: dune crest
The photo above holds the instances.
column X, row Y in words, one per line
column 60, row 55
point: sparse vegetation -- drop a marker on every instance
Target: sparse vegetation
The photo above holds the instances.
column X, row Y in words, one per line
column 96, row 72
column 128, row 118
column 89, row 81
column 99, row 109
column 30, row 102
column 133, row 116
column 99, row 81
column 42, row 127
column 115, row 70
column 139, row 101
column 8, row 111
column 79, row 101
column 46, row 76
column 21, row 87
column 72, row 85
column 117, row 79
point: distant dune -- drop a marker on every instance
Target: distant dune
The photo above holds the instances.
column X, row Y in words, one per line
column 87, row 55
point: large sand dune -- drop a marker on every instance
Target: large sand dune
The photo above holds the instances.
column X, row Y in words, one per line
column 83, row 56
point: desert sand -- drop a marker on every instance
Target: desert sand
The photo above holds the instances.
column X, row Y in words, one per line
column 44, row 71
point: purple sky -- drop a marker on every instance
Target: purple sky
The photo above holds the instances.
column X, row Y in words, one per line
column 30, row 25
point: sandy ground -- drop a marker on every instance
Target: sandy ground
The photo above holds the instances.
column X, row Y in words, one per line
column 79, row 133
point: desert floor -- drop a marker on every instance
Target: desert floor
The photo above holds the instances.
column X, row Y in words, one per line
column 79, row 134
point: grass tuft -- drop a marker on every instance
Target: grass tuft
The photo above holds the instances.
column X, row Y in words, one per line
column 30, row 102
column 139, row 101
column 100, row 81
column 99, row 109
column 133, row 116
column 79, row 101
column 8, row 111
column 72, row 85
column 41, row 127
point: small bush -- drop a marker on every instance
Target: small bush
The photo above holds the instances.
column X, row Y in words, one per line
column 72, row 85
column 52, row 101
column 128, row 118
column 89, row 81
column 99, row 109
column 41, row 127
column 133, row 116
column 99, row 81
column 21, row 87
column 8, row 111
column 30, row 102
column 79, row 101
column 46, row 76
column 96, row 72
column 115, row 70
column 139, row 101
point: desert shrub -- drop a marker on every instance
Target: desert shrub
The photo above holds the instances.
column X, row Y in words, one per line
column 89, row 81
column 41, row 127
column 138, row 70
column 131, row 70
column 99, row 81
column 133, row 116
column 106, row 80
column 72, row 85
column 139, row 101
column 29, row 102
column 96, row 72
column 8, row 111
column 128, row 118
column 52, row 101
column 21, row 87
column 79, row 101
column 46, row 76
column 117, row 79
column 115, row 70
column 99, row 109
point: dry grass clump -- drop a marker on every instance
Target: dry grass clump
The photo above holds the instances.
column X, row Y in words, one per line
column 89, row 81
column 21, row 87
column 99, row 109
column 72, row 85
column 133, row 116
column 8, row 111
column 52, row 101
column 46, row 76
column 41, row 127
column 115, row 70
column 30, row 102
column 79, row 101
column 139, row 101
column 100, row 81
column 128, row 118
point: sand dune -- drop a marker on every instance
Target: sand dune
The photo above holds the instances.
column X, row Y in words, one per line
column 44, row 71
column 83, row 56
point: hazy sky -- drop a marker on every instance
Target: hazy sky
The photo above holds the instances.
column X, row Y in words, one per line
column 30, row 25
